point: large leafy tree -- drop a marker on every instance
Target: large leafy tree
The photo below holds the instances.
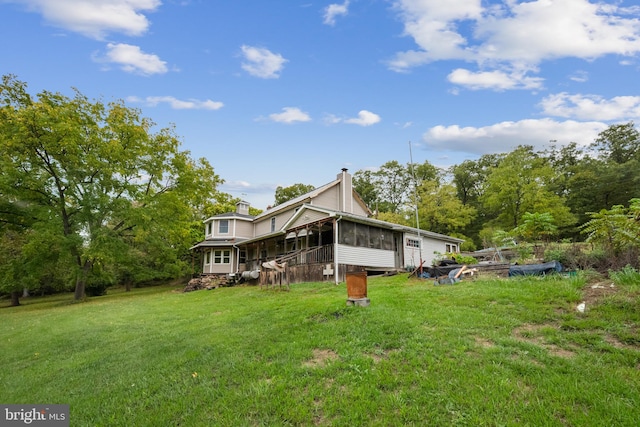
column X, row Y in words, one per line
column 520, row 184
column 597, row 177
column 284, row 194
column 390, row 187
column 98, row 180
column 394, row 184
column 618, row 143
column 365, row 185
column 440, row 210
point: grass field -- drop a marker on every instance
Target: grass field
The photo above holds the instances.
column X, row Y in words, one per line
column 494, row 352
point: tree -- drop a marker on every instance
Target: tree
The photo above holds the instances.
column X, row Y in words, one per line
column 365, row 185
column 393, row 182
column 424, row 172
column 470, row 180
column 520, row 183
column 618, row 143
column 440, row 210
column 617, row 228
column 284, row 194
column 98, row 179
column 536, row 227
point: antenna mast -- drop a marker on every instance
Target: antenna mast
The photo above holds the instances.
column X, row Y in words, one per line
column 415, row 197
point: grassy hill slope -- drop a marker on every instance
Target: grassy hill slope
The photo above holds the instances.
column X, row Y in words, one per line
column 495, row 352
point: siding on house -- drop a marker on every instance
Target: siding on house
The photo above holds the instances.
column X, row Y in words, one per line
column 307, row 217
column 359, row 210
column 243, row 229
column 263, row 226
column 430, row 249
column 367, row 257
column 213, row 268
column 328, row 199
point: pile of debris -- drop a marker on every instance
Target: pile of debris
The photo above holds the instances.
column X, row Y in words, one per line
column 204, row 282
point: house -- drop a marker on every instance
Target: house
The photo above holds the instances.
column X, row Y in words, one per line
column 320, row 235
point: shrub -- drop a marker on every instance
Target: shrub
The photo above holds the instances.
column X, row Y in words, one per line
column 626, row 276
column 556, row 254
column 464, row 259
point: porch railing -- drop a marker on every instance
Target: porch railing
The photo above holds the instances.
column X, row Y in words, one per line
column 317, row 255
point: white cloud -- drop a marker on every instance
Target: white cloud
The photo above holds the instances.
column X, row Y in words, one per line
column 591, row 107
column 505, row 136
column 260, row 62
column 290, row 115
column 365, row 118
column 132, row 59
column 579, row 76
column 496, row 80
column 513, row 34
column 177, row 104
column 334, row 10
column 95, row 18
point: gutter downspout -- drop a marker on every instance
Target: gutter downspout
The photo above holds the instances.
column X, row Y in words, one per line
column 335, row 250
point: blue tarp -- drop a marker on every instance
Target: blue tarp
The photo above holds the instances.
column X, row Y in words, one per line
column 535, row 269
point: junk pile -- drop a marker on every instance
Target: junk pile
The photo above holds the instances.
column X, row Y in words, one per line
column 207, row 282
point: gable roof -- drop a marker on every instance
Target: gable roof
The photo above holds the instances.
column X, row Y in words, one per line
column 309, row 196
column 300, row 199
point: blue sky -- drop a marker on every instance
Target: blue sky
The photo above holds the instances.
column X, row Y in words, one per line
column 281, row 92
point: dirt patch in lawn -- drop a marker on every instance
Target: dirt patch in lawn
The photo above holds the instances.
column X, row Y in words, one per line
column 484, row 343
column 594, row 292
column 531, row 334
column 380, row 355
column 320, row 358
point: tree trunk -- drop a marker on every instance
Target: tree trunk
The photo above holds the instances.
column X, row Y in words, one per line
column 15, row 298
column 82, row 281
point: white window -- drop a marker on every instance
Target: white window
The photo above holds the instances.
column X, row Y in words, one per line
column 207, row 257
column 273, row 224
column 451, row 248
column 209, row 228
column 412, row 243
column 223, row 226
column 222, row 256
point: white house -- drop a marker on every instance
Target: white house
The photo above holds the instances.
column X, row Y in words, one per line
column 320, row 235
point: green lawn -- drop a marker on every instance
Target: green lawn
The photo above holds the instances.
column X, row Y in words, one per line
column 496, row 352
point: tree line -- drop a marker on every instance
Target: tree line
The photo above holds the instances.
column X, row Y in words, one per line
column 92, row 195
column 525, row 192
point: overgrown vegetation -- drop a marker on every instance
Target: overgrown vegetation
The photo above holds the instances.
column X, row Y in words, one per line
column 491, row 352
